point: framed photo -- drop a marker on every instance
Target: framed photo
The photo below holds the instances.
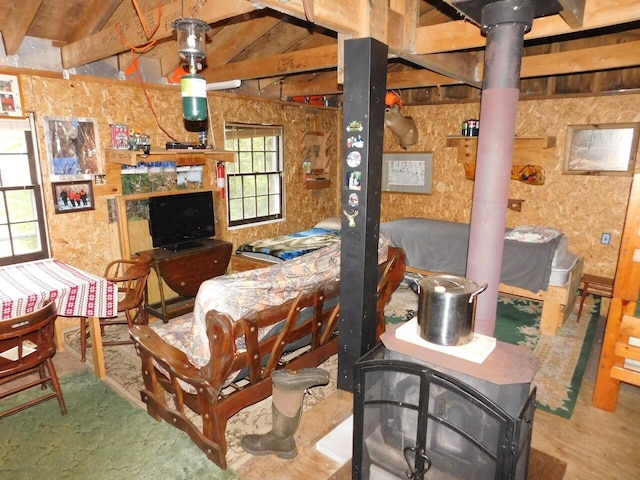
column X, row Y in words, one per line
column 72, row 145
column 407, row 172
column 73, row 196
column 10, row 96
column 605, row 149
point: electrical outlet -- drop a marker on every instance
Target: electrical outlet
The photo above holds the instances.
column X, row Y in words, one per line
column 605, row 239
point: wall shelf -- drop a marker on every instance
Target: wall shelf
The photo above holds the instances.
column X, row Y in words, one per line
column 526, row 151
column 181, row 157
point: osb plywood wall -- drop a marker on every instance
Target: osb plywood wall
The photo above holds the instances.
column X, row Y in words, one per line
column 86, row 239
column 581, row 206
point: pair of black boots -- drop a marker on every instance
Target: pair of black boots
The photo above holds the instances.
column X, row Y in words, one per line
column 289, row 387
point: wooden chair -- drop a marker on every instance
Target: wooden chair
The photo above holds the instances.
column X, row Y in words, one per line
column 131, row 278
column 27, row 346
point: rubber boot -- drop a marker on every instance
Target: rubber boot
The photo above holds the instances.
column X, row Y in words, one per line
column 286, row 408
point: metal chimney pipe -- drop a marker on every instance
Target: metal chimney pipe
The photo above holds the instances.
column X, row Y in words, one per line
column 504, row 23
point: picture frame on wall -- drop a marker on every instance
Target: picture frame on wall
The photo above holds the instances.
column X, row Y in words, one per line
column 75, row 196
column 407, row 172
column 73, row 147
column 10, row 97
column 601, row 149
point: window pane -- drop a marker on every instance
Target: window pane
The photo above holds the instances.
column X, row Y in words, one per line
column 26, row 238
column 258, row 143
column 3, row 211
column 14, row 170
column 235, row 209
column 12, row 141
column 5, row 244
column 261, row 184
column 249, row 207
column 235, row 187
column 274, row 205
column 262, row 205
column 245, row 162
column 258, row 162
column 274, row 183
column 271, row 161
column 248, row 186
column 21, row 205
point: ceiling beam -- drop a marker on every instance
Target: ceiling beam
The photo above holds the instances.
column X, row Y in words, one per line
column 395, row 81
column 461, row 35
column 619, row 55
column 107, row 42
column 462, row 66
column 275, row 65
column 96, row 16
column 336, row 15
column 21, row 15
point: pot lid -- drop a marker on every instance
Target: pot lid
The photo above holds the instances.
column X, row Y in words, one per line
column 450, row 284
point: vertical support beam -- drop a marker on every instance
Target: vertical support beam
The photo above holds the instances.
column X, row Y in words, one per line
column 504, row 23
column 363, row 115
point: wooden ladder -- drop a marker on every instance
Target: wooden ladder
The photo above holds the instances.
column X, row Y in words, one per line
column 621, row 320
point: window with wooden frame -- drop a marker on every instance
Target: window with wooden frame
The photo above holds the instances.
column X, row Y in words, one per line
column 255, row 180
column 23, row 234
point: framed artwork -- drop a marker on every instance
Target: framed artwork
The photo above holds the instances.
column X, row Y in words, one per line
column 407, row 172
column 72, row 145
column 10, row 96
column 603, row 149
column 73, row 196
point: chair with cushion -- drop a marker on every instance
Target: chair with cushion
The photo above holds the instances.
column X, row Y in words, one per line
column 27, row 347
column 131, row 278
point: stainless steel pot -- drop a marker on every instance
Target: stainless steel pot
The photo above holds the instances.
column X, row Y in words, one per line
column 446, row 309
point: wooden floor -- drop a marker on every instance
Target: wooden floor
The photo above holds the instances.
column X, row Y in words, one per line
column 596, row 445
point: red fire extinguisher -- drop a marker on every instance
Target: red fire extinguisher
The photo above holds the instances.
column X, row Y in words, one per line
column 220, row 176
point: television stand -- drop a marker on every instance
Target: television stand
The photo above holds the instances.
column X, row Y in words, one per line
column 183, row 271
column 176, row 247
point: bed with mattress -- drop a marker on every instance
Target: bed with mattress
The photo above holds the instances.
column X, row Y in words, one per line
column 536, row 261
column 260, row 253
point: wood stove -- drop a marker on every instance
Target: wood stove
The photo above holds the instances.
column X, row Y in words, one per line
column 422, row 414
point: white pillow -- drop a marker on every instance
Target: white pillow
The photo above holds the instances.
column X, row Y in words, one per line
column 529, row 234
column 332, row 223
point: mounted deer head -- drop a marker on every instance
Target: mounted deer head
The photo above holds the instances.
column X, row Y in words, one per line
column 404, row 128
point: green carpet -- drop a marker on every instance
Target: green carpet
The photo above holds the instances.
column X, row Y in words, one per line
column 562, row 358
column 102, row 437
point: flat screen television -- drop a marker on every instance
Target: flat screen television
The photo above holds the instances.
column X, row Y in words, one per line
column 178, row 221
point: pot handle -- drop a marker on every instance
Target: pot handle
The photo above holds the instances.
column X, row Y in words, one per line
column 481, row 289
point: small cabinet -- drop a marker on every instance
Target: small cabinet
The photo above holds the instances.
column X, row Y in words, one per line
column 183, row 271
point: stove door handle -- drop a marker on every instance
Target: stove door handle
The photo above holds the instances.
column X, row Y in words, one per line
column 412, row 473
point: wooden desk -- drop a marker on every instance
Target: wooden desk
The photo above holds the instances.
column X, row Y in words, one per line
column 183, row 271
column 595, row 285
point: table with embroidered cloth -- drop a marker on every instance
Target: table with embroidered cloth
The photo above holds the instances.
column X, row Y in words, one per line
column 26, row 287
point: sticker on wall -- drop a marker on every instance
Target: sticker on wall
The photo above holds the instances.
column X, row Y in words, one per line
column 354, row 159
column 354, row 180
column 353, row 200
column 355, row 126
column 355, row 141
column 351, row 216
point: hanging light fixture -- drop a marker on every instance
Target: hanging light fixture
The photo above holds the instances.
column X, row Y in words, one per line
column 191, row 47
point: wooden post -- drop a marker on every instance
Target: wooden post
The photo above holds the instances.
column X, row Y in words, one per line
column 363, row 119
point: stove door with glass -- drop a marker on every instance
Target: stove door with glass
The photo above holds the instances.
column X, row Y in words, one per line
column 412, row 421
